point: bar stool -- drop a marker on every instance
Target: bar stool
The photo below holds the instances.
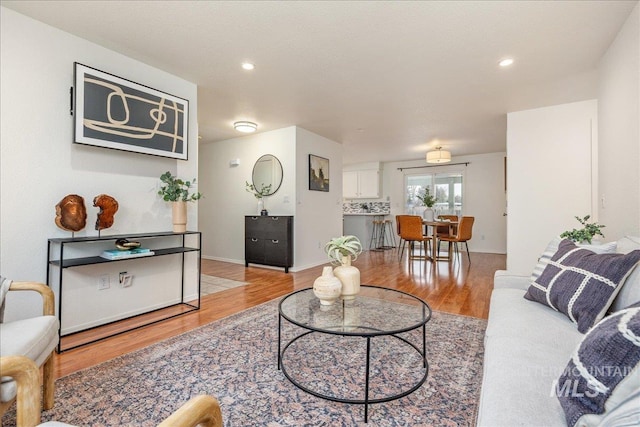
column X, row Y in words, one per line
column 387, row 234
column 376, row 233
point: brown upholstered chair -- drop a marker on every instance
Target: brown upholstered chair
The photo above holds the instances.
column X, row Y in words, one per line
column 464, row 233
column 446, row 230
column 400, row 246
column 411, row 230
column 202, row 410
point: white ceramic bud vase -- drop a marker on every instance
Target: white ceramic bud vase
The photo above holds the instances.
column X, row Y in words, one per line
column 350, row 278
column 327, row 287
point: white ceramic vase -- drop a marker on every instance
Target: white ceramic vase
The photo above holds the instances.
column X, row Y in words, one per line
column 179, row 216
column 260, row 205
column 350, row 278
column 327, row 287
column 428, row 214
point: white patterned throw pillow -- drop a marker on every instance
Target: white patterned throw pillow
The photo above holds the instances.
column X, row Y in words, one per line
column 581, row 283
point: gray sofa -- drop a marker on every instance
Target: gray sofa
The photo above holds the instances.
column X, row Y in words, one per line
column 527, row 347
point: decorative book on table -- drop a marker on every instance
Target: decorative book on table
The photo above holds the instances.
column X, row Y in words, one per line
column 131, row 253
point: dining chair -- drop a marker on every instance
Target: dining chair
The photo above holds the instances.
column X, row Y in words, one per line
column 401, row 243
column 411, row 231
column 446, row 230
column 463, row 235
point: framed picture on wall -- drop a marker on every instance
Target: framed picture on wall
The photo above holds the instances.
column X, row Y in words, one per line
column 318, row 173
column 113, row 112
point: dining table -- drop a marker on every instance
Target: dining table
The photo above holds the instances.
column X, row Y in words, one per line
column 434, row 235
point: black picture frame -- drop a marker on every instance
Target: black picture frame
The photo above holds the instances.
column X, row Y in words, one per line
column 318, row 173
column 113, row 112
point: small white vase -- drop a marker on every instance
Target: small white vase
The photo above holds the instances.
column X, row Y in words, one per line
column 179, row 216
column 327, row 287
column 428, row 214
column 260, row 206
column 350, row 278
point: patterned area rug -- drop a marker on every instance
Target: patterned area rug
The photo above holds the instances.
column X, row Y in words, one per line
column 235, row 359
column 213, row 284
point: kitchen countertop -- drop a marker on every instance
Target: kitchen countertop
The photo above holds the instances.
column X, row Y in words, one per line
column 364, row 214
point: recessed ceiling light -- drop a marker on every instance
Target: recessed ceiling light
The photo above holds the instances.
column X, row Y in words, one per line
column 246, row 127
column 248, row 66
column 506, row 62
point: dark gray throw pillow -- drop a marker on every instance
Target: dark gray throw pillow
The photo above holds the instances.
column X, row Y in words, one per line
column 601, row 383
column 581, row 283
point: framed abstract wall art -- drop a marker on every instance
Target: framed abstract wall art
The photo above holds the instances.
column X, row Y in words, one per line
column 113, row 112
column 318, row 173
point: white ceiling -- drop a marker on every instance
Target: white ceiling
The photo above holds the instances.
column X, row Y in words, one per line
column 389, row 80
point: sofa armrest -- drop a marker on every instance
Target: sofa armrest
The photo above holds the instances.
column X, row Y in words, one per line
column 48, row 299
column 503, row 279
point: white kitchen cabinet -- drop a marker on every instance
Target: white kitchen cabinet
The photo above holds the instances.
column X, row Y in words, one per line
column 361, row 184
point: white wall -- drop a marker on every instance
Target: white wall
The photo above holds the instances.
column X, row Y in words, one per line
column 317, row 215
column 484, row 195
column 619, row 132
column 226, row 201
column 40, row 165
column 551, row 153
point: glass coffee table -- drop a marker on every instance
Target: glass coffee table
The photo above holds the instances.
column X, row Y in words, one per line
column 358, row 351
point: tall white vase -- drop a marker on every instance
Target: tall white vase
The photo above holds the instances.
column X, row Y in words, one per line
column 350, row 278
column 327, row 287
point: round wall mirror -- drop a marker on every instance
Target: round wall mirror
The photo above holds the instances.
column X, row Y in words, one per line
column 267, row 171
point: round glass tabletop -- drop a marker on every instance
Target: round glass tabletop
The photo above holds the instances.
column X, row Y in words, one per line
column 374, row 311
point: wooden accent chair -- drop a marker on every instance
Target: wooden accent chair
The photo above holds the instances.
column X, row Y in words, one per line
column 411, row 230
column 464, row 233
column 201, row 410
column 36, row 338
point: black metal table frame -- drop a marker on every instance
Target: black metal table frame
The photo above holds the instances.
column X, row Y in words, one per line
column 375, row 333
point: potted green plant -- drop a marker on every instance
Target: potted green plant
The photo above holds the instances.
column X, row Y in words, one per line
column 586, row 233
column 427, row 199
column 343, row 250
column 179, row 192
column 264, row 191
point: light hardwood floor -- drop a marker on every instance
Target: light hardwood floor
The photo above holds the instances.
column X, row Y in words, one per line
column 453, row 287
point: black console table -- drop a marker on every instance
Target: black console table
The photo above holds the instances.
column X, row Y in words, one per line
column 86, row 251
column 269, row 241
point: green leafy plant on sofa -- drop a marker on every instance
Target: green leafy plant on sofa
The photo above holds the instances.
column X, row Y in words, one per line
column 586, row 233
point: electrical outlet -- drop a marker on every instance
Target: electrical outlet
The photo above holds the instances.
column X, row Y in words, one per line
column 127, row 280
column 104, row 282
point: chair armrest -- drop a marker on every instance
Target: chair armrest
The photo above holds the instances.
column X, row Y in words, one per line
column 48, row 299
column 200, row 410
column 27, row 376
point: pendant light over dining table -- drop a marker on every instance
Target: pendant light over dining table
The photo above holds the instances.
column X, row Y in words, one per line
column 438, row 156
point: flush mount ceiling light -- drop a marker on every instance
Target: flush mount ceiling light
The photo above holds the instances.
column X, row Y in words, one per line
column 246, row 127
column 506, row 62
column 248, row 66
column 438, row 156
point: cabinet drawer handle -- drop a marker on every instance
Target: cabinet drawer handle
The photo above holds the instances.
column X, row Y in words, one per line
column 253, row 239
column 275, row 241
column 275, row 218
column 254, row 218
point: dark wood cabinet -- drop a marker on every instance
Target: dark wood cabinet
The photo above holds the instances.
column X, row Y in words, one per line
column 268, row 240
